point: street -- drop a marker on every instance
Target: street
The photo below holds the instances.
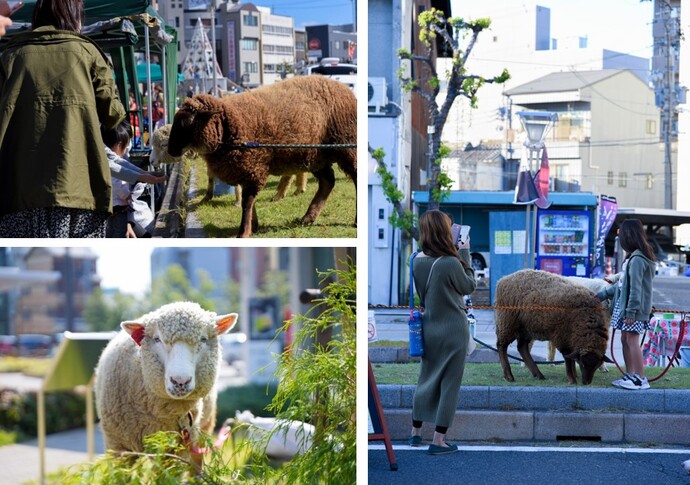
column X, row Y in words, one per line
column 516, row 464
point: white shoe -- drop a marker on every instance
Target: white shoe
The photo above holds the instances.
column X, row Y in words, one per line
column 619, row 382
column 636, row 383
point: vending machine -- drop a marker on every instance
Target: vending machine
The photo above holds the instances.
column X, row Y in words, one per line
column 563, row 242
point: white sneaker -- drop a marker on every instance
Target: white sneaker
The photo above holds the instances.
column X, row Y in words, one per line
column 636, row 383
column 619, row 382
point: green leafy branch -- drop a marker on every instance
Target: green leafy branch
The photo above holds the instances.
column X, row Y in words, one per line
column 400, row 218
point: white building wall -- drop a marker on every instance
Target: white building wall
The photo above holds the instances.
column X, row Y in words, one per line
column 508, row 43
column 277, row 43
column 390, row 24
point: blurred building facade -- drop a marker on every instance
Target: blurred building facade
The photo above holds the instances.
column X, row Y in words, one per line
column 53, row 306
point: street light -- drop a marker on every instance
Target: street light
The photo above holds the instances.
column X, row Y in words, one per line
column 527, row 190
column 537, row 124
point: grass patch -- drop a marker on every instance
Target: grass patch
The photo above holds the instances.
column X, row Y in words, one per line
column 492, row 375
column 220, row 218
column 37, row 367
column 388, row 343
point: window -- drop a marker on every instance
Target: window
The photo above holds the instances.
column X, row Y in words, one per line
column 250, row 20
column 277, row 49
column 337, row 45
column 650, row 127
column 623, row 179
column 250, row 67
column 277, row 30
column 609, row 177
column 249, row 44
column 177, row 21
column 269, row 68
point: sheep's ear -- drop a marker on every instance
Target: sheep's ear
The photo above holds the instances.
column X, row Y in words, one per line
column 208, row 112
column 225, row 322
column 135, row 330
column 573, row 356
column 606, row 359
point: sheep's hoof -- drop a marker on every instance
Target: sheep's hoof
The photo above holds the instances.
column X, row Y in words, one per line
column 207, row 197
column 276, row 198
column 237, row 204
column 509, row 378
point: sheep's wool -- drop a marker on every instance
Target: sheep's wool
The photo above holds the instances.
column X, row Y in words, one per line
column 130, row 387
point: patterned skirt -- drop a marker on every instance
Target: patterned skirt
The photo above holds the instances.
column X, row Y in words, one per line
column 56, row 222
column 618, row 322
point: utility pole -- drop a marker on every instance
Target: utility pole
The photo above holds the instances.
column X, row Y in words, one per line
column 666, row 44
column 669, row 106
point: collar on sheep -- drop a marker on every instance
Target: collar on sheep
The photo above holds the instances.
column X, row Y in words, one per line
column 185, row 434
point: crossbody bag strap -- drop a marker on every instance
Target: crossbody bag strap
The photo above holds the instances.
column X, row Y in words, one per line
column 412, row 256
column 426, row 287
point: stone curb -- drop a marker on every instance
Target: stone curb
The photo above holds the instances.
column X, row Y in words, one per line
column 168, row 220
column 518, row 398
column 500, row 426
column 512, row 413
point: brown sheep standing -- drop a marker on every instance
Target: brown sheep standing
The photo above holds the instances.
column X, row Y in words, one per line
column 301, row 110
column 573, row 321
column 159, row 154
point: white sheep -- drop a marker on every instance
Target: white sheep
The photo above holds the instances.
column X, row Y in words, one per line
column 286, row 439
column 159, row 374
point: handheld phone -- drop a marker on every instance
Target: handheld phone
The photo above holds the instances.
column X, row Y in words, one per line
column 8, row 8
column 460, row 234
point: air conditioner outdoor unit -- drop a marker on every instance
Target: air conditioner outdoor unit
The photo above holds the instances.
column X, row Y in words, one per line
column 377, row 94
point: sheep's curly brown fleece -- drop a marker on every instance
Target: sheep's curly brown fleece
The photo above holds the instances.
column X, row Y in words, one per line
column 302, row 110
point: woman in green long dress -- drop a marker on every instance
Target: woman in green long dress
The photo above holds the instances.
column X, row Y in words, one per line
column 445, row 327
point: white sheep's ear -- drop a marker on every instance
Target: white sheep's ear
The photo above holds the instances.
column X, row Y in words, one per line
column 135, row 330
column 225, row 322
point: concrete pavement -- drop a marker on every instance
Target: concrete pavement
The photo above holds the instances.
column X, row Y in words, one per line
column 20, row 462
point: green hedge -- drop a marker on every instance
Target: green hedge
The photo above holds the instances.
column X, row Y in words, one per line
column 64, row 410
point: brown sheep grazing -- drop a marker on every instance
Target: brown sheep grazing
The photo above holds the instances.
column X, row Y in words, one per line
column 305, row 110
column 537, row 305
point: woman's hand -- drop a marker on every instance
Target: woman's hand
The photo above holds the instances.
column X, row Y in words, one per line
column 464, row 244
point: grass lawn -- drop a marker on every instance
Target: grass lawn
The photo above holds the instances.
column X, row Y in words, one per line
column 220, row 218
column 492, row 375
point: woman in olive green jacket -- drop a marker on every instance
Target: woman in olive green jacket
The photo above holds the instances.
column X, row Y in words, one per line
column 56, row 88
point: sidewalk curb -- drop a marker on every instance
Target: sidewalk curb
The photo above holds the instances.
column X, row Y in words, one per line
column 513, row 413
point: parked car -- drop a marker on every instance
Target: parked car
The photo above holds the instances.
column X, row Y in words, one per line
column 232, row 344
column 8, row 345
column 34, row 345
column 664, row 249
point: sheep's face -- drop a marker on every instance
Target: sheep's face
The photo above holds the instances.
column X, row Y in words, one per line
column 180, row 351
column 181, row 132
column 588, row 362
column 195, row 127
column 159, row 147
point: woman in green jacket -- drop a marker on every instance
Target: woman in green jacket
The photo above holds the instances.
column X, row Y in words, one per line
column 56, row 88
column 445, row 328
column 632, row 301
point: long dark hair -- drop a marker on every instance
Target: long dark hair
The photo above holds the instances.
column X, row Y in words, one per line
column 435, row 236
column 61, row 14
column 632, row 236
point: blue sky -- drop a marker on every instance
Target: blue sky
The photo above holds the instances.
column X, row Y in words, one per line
column 312, row 12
